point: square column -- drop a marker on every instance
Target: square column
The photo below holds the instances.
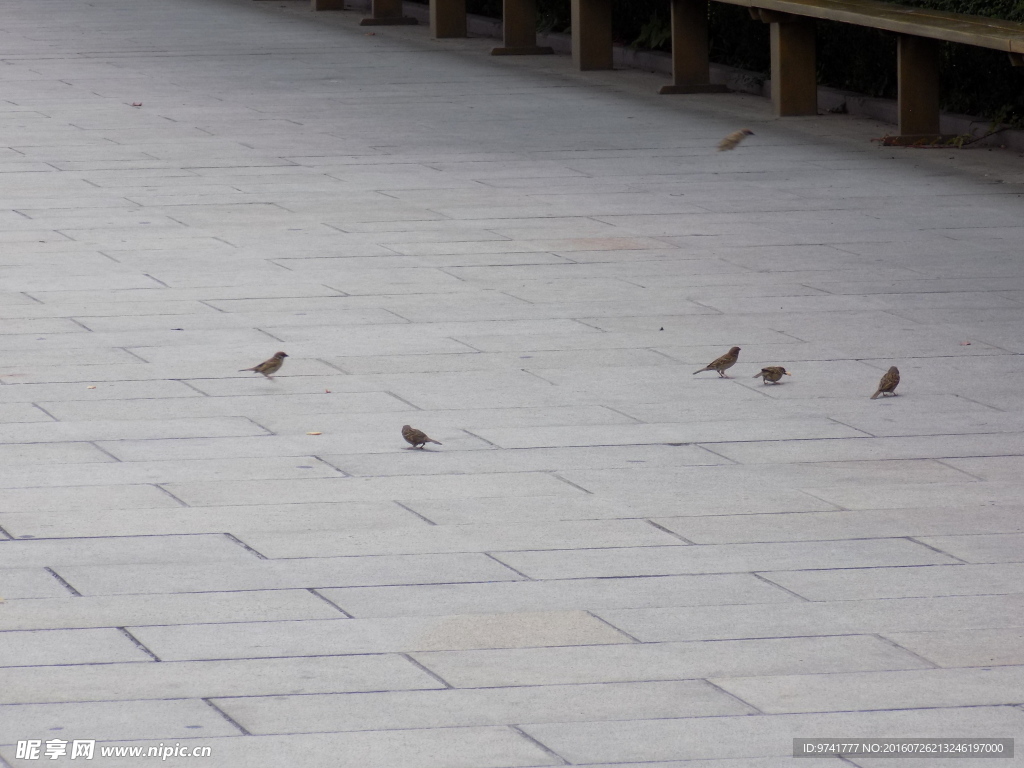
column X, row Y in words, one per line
column 448, row 18
column 592, row 34
column 385, row 13
column 691, row 68
column 519, row 29
column 794, row 79
column 917, row 67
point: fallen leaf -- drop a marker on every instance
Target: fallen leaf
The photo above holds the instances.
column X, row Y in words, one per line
column 965, row 343
column 314, row 433
column 136, row 103
column 327, row 391
column 91, row 387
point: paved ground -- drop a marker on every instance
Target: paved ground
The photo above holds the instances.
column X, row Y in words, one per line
column 609, row 560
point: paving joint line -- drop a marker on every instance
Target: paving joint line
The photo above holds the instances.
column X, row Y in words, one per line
column 501, row 562
column 330, row 602
column 245, row 546
column 776, row 585
column 538, row 744
column 64, row 583
column 669, row 532
column 621, row 631
column 226, row 716
column 424, row 518
column 415, row 662
column 915, row 540
column 570, row 482
column 138, row 643
column 733, row 696
column 889, row 641
column 160, row 487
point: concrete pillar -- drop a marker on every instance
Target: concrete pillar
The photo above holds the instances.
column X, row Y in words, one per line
column 691, row 71
column 386, row 13
column 519, row 29
column 448, row 18
column 592, row 34
column 794, row 76
column 917, row 66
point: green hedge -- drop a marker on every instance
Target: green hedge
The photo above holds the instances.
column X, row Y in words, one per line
column 975, row 81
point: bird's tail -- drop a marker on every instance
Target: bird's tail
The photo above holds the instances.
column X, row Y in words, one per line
column 702, row 369
column 876, row 394
column 433, row 441
column 243, row 370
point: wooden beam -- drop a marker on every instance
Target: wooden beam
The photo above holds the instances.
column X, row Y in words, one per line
column 592, row 34
column 691, row 70
column 519, row 29
column 794, row 76
column 386, row 13
column 982, row 31
column 327, row 5
column 917, row 65
column 448, row 18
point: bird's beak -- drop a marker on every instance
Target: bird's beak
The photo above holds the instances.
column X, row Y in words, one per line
column 788, row 373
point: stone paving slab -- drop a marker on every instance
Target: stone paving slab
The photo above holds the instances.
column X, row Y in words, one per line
column 590, row 534
column 800, row 619
column 806, row 557
column 308, row 573
column 593, row 594
column 666, row 661
column 956, row 522
column 465, row 708
column 347, row 636
column 109, row 721
column 140, row 610
column 487, row 747
column 71, row 646
column 30, row 583
column 509, row 510
column 874, row 691
column 169, row 472
column 965, row 648
column 884, row 582
column 192, row 520
column 271, row 678
column 654, row 740
column 108, row 551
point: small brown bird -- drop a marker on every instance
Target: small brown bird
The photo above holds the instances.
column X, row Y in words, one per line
column 733, row 140
column 415, row 438
column 888, row 383
column 269, row 367
column 772, row 374
column 726, row 361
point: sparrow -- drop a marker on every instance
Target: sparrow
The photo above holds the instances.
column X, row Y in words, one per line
column 733, row 139
column 728, row 360
column 888, row 383
column 268, row 367
column 415, row 438
column 772, row 374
